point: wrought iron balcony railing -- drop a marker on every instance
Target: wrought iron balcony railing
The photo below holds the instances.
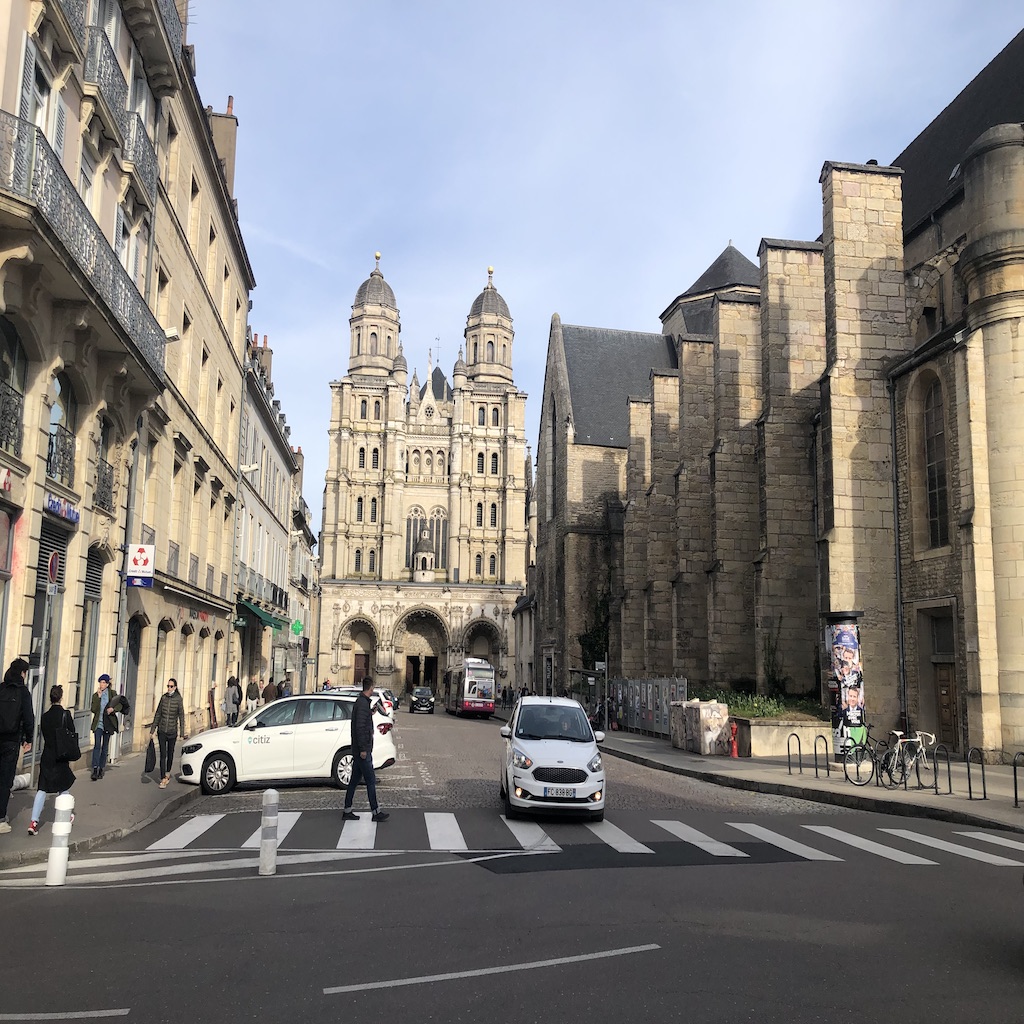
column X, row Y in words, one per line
column 173, row 552
column 60, row 456
column 31, row 170
column 193, row 570
column 172, row 24
column 104, row 496
column 12, row 419
column 74, row 15
column 139, row 150
column 103, row 70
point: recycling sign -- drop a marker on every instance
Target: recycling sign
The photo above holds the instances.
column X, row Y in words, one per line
column 140, row 565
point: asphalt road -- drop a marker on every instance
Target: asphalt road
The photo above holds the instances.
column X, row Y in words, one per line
column 753, row 909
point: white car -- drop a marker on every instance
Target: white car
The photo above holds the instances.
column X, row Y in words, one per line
column 378, row 701
column 551, row 762
column 300, row 737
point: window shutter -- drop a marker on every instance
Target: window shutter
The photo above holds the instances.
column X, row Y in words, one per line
column 94, row 575
column 60, row 120
column 51, row 539
column 28, row 80
column 118, row 236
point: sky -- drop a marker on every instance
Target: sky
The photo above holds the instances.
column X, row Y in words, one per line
column 599, row 155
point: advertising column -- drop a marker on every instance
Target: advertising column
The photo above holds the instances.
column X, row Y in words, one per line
column 846, row 678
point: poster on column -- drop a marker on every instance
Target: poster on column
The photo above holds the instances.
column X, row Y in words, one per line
column 847, row 674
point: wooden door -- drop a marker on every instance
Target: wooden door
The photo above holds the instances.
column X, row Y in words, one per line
column 362, row 668
column 945, row 701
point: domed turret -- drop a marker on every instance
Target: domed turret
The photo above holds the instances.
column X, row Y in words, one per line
column 423, row 559
column 459, row 371
column 489, row 337
column 374, row 326
column 401, row 368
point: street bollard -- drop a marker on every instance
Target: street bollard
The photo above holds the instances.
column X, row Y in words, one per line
column 57, row 863
column 268, row 836
column 734, row 750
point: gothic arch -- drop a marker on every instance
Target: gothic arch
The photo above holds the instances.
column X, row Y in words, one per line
column 431, row 615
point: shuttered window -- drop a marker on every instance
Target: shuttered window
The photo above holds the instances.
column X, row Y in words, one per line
column 51, row 539
column 94, row 566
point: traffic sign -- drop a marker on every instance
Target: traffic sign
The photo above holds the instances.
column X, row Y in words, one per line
column 53, row 567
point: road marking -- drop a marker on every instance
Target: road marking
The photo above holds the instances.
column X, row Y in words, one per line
column 866, row 844
column 443, row 831
column 501, row 969
column 616, row 838
column 69, row 1015
column 285, row 823
column 698, row 839
column 782, row 842
column 358, row 835
column 1012, row 844
column 187, row 833
column 960, row 851
column 531, row 836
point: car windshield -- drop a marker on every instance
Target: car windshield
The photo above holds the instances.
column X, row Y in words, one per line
column 554, row 723
column 422, row 691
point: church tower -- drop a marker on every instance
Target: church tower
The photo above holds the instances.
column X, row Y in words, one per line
column 488, row 337
column 374, row 327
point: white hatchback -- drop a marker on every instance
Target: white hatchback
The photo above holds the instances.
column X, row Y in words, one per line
column 551, row 762
column 300, row 737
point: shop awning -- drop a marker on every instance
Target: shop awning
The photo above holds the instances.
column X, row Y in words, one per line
column 265, row 617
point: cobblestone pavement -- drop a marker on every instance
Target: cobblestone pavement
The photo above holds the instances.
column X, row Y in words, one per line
column 449, row 763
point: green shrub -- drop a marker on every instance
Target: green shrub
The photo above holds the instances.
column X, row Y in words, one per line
column 757, row 705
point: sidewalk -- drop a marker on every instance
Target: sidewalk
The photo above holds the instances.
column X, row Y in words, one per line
column 771, row 775
column 123, row 801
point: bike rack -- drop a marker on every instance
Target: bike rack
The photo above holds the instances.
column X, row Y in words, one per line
column 799, row 753
column 1019, row 754
column 828, row 767
column 949, row 768
column 879, row 750
column 984, row 788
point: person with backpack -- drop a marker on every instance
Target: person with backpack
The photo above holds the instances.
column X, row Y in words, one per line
column 55, row 775
column 168, row 721
column 104, row 724
column 252, row 695
column 17, row 728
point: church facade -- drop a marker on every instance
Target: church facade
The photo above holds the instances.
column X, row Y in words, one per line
column 424, row 540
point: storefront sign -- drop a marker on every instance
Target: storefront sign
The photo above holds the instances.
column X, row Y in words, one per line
column 62, row 507
column 5, row 480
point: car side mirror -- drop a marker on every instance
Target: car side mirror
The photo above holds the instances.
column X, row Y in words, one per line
column 599, row 737
column 505, row 732
column 250, row 726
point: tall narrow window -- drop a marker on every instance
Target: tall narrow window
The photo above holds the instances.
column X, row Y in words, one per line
column 495, row 417
column 479, row 565
column 493, row 565
column 359, row 560
column 935, row 467
column 480, row 514
column 372, row 562
column 362, row 409
column 376, row 410
column 480, row 415
column 494, row 463
column 373, row 510
column 376, row 459
column 494, row 515
column 359, row 510
column 362, row 458
column 490, row 351
column 373, row 343
column 480, row 462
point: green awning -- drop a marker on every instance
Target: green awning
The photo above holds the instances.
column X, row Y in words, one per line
column 265, row 617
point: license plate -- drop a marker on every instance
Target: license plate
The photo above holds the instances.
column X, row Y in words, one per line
column 560, row 792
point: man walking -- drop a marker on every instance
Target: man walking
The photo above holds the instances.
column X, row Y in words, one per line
column 362, row 756
column 269, row 692
column 101, row 731
column 17, row 727
column 168, row 721
column 252, row 695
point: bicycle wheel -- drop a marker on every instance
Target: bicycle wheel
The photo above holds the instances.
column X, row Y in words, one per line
column 859, row 765
column 925, row 769
column 892, row 769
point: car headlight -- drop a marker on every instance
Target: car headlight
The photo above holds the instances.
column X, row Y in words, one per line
column 520, row 760
column 594, row 764
column 191, row 748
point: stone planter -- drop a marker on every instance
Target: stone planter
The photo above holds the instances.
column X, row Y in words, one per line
column 767, row 737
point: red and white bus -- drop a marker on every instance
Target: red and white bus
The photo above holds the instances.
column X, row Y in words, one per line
column 469, row 690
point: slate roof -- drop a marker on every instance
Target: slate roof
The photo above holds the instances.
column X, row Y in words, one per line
column 994, row 96
column 490, row 301
column 375, row 290
column 731, row 268
column 439, row 385
column 605, row 367
column 698, row 314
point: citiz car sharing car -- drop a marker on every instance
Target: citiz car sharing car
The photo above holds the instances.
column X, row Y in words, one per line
column 302, row 737
column 551, row 762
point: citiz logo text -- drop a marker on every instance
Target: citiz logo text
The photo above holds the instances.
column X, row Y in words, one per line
column 259, row 739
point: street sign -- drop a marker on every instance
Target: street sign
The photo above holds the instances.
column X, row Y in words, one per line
column 140, row 581
column 53, row 567
column 51, row 589
column 140, row 565
column 297, row 627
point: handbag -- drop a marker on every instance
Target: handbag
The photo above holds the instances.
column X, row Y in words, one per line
column 66, row 740
column 150, row 756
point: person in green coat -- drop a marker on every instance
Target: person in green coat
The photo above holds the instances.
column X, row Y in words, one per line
column 168, row 722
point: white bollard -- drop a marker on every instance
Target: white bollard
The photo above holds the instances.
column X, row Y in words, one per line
column 57, row 864
column 268, row 836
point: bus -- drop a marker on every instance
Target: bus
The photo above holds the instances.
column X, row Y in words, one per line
column 469, row 690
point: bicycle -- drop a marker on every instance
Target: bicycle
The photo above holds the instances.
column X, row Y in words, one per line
column 909, row 753
column 862, row 760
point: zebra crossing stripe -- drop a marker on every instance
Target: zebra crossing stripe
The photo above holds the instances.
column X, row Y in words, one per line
column 699, row 839
column 616, row 838
column 187, row 833
column 866, row 844
column 1013, row 844
column 531, row 836
column 960, row 851
column 358, row 835
column 443, row 831
column 285, row 823
column 782, row 842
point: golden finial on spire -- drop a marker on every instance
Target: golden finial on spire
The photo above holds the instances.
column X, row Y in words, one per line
column 490, row 275
column 376, row 256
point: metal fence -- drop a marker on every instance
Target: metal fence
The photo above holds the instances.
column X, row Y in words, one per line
column 644, row 705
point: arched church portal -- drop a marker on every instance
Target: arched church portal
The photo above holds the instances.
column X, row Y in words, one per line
column 484, row 640
column 355, row 646
column 421, row 643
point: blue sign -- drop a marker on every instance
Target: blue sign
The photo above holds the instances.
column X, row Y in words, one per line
column 140, row 581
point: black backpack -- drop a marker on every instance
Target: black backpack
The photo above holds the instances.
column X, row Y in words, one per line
column 10, row 710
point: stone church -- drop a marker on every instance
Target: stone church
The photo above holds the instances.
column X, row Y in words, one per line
column 811, row 476
column 424, row 542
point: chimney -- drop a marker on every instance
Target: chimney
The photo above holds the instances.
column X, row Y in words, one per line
column 225, row 133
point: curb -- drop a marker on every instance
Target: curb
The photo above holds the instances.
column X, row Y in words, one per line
column 852, row 800
column 11, row 860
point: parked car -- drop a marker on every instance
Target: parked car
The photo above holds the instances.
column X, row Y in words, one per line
column 421, row 699
column 379, row 702
column 550, row 761
column 299, row 737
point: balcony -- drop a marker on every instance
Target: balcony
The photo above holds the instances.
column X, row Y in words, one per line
column 30, row 170
column 104, row 495
column 156, row 27
column 139, row 152
column 104, row 81
column 12, row 418
column 60, row 455
column 173, row 553
column 68, row 18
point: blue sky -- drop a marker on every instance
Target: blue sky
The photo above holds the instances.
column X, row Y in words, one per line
column 599, row 155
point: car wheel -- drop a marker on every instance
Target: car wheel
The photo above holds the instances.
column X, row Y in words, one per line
column 510, row 812
column 597, row 816
column 342, row 771
column 218, row 775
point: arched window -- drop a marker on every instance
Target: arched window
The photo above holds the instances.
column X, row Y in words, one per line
column 362, row 409
column 490, row 351
column 423, row 564
column 359, row 510
column 476, row 354
column 494, row 515
column 504, row 355
column 387, row 348
column 362, row 458
column 493, row 565
column 60, row 460
column 494, row 463
column 373, row 510
column 480, row 514
column 436, row 525
column 495, row 417
column 373, row 343
column 13, row 362
column 359, row 343
column 376, row 410
column 359, row 560
column 935, row 467
column 479, row 565
column 372, row 561
column 375, row 459
column 481, row 413
column 480, row 462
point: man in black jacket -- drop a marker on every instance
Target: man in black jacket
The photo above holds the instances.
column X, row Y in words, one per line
column 362, row 755
column 17, row 727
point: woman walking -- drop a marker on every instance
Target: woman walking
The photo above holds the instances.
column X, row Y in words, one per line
column 54, row 776
column 168, row 721
column 232, row 701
